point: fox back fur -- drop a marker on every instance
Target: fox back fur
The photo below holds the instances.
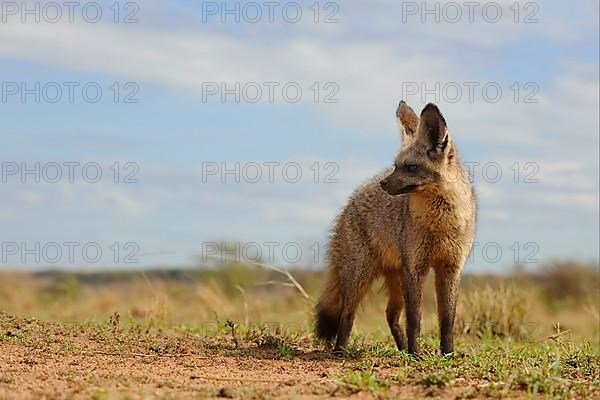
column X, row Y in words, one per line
column 418, row 216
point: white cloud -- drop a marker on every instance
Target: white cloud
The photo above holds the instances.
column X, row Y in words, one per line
column 29, row 197
column 123, row 203
column 573, row 200
column 369, row 72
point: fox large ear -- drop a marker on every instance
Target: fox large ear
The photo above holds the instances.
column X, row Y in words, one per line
column 432, row 127
column 407, row 122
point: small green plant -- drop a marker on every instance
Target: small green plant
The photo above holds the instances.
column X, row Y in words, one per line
column 363, row 381
column 402, row 376
column 284, row 350
column 380, row 350
column 359, row 381
column 114, row 321
column 437, row 380
column 100, row 394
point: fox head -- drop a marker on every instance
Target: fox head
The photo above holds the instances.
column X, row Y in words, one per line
column 427, row 151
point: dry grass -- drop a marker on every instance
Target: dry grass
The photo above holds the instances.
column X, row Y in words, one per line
column 517, row 305
column 501, row 311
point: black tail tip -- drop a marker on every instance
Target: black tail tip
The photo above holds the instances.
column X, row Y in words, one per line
column 326, row 325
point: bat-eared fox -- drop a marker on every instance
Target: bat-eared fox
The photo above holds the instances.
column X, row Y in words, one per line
column 418, row 216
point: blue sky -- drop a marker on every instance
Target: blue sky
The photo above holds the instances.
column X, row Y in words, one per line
column 370, row 55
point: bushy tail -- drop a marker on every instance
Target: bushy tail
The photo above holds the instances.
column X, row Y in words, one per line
column 329, row 308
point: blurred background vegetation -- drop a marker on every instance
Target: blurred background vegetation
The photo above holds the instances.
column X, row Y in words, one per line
column 524, row 304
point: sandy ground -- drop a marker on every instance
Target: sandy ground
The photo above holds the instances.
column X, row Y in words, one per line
column 62, row 361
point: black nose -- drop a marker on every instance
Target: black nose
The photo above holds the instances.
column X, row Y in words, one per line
column 383, row 183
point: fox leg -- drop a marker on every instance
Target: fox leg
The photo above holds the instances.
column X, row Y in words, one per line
column 412, row 282
column 346, row 322
column 394, row 307
column 446, row 287
column 351, row 297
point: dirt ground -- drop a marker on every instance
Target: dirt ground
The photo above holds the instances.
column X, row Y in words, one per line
column 44, row 360
column 55, row 361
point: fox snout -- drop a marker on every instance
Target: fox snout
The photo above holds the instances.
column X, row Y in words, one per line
column 395, row 186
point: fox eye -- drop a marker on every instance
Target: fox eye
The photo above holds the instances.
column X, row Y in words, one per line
column 410, row 167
